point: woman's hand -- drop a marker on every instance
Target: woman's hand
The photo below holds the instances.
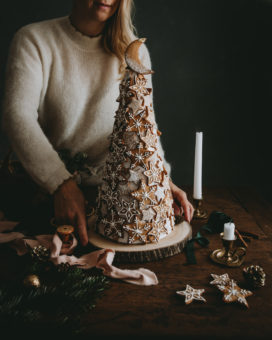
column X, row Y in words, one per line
column 69, row 204
column 181, row 203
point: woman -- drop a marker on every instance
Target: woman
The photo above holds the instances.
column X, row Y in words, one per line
column 62, row 83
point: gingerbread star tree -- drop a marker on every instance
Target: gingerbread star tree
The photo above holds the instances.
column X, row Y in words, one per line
column 134, row 205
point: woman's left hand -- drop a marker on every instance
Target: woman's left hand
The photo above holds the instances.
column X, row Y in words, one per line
column 181, row 203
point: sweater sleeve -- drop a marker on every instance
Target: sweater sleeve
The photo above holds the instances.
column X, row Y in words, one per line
column 146, row 61
column 24, row 80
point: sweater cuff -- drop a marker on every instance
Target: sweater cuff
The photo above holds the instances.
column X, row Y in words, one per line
column 56, row 179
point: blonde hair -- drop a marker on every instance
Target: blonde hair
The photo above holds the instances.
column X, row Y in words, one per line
column 119, row 31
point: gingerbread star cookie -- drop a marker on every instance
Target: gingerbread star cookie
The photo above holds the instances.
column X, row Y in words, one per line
column 137, row 231
column 221, row 280
column 192, row 294
column 145, row 194
column 154, row 174
column 232, row 293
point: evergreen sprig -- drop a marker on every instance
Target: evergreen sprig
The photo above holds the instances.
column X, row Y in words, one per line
column 65, row 294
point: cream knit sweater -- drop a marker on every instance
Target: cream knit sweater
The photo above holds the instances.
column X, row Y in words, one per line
column 61, row 91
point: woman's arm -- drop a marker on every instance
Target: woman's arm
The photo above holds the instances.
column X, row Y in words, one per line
column 24, row 83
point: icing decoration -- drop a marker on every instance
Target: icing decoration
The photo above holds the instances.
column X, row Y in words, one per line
column 118, row 153
column 150, row 140
column 160, row 194
column 110, row 197
column 162, row 211
column 112, row 175
column 192, row 294
column 148, row 214
column 135, row 175
column 221, row 280
column 153, row 174
column 112, row 226
column 137, row 231
column 145, row 194
column 161, row 227
column 128, row 210
column 139, row 157
column 154, row 234
column 139, row 88
column 138, row 124
column 232, row 293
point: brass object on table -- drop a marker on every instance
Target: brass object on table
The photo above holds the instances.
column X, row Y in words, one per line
column 199, row 212
column 65, row 232
column 230, row 255
column 32, row 281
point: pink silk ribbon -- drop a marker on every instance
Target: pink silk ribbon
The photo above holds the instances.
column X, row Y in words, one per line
column 101, row 259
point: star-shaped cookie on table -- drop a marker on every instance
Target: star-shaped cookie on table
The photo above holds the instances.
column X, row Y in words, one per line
column 192, row 294
column 232, row 293
column 221, row 280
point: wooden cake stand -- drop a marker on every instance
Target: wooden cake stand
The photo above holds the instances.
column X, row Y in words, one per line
column 170, row 245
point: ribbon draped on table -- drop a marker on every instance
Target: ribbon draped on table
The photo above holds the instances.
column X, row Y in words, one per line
column 101, row 259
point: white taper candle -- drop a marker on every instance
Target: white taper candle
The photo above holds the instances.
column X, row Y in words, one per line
column 229, row 229
column 197, row 194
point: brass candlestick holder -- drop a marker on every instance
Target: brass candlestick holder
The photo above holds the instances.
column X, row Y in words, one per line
column 230, row 255
column 199, row 212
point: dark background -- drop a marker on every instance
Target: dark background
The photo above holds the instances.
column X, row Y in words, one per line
column 212, row 62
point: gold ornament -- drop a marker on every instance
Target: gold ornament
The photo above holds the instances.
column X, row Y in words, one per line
column 32, row 281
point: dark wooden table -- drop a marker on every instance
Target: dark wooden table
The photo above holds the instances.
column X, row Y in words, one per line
column 129, row 310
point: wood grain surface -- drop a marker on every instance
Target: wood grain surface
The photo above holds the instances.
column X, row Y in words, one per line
column 127, row 310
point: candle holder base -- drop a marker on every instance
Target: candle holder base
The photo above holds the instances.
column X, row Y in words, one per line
column 230, row 255
column 199, row 212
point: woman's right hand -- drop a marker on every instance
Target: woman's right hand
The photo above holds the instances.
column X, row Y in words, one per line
column 69, row 205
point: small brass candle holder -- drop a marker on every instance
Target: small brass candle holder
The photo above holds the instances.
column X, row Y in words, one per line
column 230, row 255
column 199, row 212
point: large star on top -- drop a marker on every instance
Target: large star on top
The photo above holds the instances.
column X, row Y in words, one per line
column 232, row 293
column 192, row 294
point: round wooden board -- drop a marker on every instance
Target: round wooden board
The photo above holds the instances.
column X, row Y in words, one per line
column 170, row 245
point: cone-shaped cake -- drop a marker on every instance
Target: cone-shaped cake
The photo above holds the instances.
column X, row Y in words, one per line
column 134, row 204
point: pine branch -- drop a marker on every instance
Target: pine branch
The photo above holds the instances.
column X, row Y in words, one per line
column 65, row 294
